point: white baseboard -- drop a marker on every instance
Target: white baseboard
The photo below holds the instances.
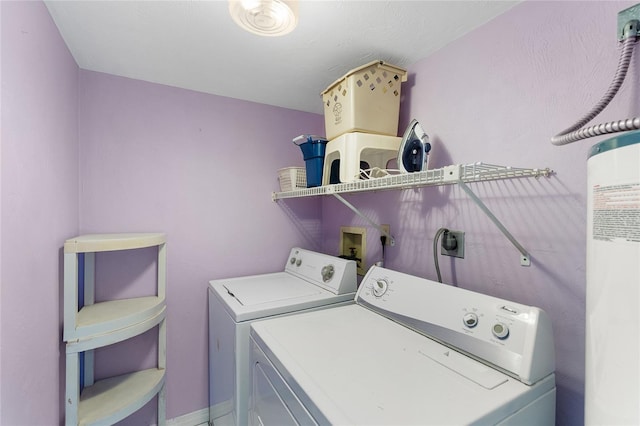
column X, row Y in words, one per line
column 196, row 418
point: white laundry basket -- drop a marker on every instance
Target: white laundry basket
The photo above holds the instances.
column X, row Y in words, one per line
column 292, row 178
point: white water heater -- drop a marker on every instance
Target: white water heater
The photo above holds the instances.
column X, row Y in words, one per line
column 612, row 356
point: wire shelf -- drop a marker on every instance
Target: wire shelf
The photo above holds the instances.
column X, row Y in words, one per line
column 475, row 172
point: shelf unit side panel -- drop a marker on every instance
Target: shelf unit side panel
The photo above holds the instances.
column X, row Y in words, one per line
column 162, row 270
column 70, row 295
column 72, row 389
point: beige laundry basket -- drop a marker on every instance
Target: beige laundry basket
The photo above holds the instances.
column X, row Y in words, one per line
column 366, row 99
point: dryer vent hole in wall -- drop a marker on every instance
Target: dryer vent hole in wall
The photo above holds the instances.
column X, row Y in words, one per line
column 353, row 243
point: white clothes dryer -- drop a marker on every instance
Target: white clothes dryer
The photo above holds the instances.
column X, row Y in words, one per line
column 410, row 351
column 310, row 281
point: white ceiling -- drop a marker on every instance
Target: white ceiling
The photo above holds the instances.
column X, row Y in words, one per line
column 196, row 45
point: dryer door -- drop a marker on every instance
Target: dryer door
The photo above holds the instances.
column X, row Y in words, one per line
column 272, row 403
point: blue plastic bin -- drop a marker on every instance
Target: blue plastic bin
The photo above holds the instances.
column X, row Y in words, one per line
column 313, row 148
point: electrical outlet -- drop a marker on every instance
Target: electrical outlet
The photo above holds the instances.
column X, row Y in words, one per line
column 387, row 229
column 458, row 251
column 627, row 16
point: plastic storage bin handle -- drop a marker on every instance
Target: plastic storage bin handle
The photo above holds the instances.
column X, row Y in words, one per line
column 309, row 138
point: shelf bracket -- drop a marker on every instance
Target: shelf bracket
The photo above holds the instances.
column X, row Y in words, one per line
column 525, row 259
column 383, row 231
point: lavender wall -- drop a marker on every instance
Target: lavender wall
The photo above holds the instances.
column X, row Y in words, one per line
column 39, row 198
column 497, row 95
column 200, row 168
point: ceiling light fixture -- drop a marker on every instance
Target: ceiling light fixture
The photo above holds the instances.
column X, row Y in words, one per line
column 265, row 17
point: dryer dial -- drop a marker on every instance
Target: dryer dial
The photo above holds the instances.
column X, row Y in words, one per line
column 500, row 330
column 470, row 320
column 380, row 287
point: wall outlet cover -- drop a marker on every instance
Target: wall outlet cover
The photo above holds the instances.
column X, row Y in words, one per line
column 387, row 229
column 459, row 250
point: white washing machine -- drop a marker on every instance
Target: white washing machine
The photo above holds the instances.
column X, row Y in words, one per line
column 410, row 351
column 310, row 281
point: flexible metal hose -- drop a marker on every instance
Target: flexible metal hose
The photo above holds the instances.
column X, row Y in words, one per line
column 439, row 232
column 576, row 133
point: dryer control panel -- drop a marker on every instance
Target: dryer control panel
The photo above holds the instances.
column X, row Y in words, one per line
column 516, row 338
column 329, row 272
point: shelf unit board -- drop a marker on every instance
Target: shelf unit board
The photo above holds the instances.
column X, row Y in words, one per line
column 110, row 400
column 110, row 242
column 115, row 336
column 112, row 315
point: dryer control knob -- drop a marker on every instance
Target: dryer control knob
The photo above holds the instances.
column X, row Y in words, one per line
column 470, row 320
column 380, row 287
column 500, row 330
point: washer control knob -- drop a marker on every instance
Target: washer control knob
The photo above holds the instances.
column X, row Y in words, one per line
column 470, row 320
column 500, row 330
column 298, row 262
column 292, row 260
column 380, row 287
column 327, row 273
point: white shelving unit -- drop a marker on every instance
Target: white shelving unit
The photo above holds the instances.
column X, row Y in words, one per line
column 100, row 324
column 458, row 174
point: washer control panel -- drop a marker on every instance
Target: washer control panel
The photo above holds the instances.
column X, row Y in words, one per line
column 515, row 337
column 329, row 272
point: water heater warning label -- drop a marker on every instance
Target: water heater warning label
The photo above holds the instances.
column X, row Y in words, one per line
column 616, row 212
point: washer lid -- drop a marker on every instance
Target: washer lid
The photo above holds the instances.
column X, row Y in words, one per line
column 259, row 296
column 266, row 289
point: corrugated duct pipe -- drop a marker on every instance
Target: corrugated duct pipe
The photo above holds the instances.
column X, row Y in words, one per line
column 577, row 131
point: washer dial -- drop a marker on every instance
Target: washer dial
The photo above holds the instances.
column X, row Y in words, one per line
column 327, row 273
